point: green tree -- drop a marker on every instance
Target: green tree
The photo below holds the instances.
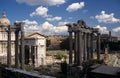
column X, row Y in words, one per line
column 61, row 55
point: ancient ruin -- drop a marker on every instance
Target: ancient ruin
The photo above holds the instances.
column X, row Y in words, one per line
column 84, row 38
column 18, row 27
column 83, row 41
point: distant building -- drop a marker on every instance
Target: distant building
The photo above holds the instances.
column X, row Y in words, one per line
column 109, row 38
column 106, row 40
column 55, row 41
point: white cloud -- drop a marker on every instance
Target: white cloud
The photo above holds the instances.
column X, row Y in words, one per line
column 40, row 11
column 106, row 18
column 28, row 22
column 102, row 29
column 45, row 28
column 42, row 2
column 48, row 29
column 116, row 29
column 54, row 18
column 75, row 6
column 31, row 26
column 62, row 23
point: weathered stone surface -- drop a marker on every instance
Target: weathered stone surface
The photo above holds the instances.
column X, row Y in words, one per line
column 104, row 72
column 18, row 73
column 75, row 71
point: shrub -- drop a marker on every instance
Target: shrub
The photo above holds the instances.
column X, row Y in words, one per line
column 61, row 55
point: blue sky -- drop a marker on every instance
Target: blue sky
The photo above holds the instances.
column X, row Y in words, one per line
column 50, row 16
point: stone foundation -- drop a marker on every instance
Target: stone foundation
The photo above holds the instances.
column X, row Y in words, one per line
column 18, row 73
column 3, row 60
column 74, row 71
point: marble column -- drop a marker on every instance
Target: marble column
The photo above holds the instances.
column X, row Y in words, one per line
column 79, row 48
column 22, row 48
column 16, row 49
column 35, row 55
column 98, row 46
column 91, row 46
column 9, row 48
column 30, row 55
column 75, row 48
column 70, row 47
column 88, row 46
column 85, row 47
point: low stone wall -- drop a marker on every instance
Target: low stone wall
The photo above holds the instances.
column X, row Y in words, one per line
column 18, row 73
column 3, row 60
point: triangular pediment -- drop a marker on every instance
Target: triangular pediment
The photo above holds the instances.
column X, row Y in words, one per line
column 35, row 35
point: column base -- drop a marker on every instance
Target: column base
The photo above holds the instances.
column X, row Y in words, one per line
column 74, row 71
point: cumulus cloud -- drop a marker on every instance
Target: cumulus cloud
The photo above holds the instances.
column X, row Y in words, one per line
column 116, row 29
column 106, row 18
column 75, row 6
column 48, row 29
column 102, row 29
column 40, row 11
column 42, row 2
column 54, row 18
column 45, row 28
column 28, row 22
column 31, row 26
column 62, row 23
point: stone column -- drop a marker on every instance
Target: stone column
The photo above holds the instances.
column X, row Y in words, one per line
column 91, row 46
column 9, row 48
column 22, row 47
column 35, row 55
column 98, row 46
column 30, row 55
column 79, row 48
column 70, row 47
column 16, row 49
column 88, row 46
column 75, row 48
column 85, row 47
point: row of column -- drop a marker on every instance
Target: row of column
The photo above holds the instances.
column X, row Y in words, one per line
column 18, row 50
column 83, row 47
column 33, row 58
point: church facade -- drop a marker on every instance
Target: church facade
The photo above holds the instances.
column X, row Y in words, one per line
column 35, row 45
column 4, row 24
